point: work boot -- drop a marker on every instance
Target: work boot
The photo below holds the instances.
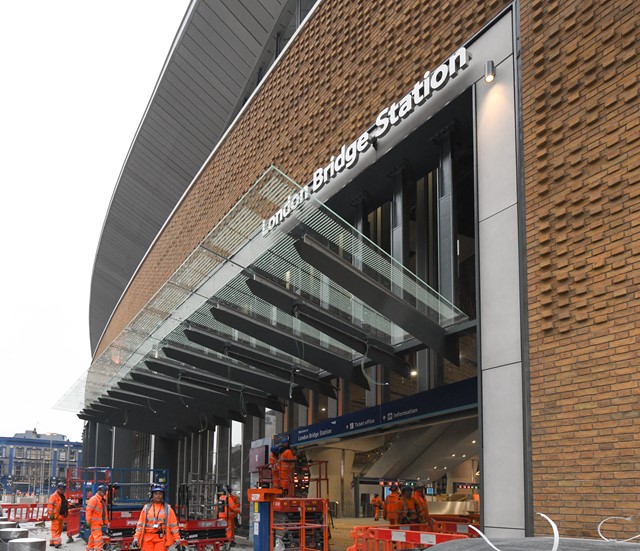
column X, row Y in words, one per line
column 232, row 544
column 70, row 539
column 58, row 545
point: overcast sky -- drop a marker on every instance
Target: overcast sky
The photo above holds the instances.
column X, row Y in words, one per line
column 76, row 78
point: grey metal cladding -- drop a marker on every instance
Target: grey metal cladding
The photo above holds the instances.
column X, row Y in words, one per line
column 213, row 66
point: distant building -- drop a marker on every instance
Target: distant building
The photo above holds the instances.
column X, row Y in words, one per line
column 33, row 463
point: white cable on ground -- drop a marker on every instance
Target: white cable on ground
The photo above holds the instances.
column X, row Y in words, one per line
column 617, row 518
column 556, row 535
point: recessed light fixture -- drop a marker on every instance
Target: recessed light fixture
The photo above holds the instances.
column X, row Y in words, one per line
column 473, row 441
column 453, row 455
column 414, row 372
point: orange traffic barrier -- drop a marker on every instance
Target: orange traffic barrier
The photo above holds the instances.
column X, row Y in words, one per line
column 386, row 539
column 372, row 538
column 26, row 512
column 357, row 533
column 453, row 524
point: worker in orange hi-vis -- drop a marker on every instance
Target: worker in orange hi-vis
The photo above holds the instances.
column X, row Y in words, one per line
column 57, row 509
column 389, row 512
column 274, row 463
column 421, row 502
column 376, row 503
column 96, row 518
column 406, row 507
column 287, row 462
column 157, row 527
column 230, row 511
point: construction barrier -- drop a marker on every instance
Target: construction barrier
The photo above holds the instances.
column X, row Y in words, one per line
column 388, row 539
column 453, row 524
column 73, row 522
column 409, row 536
column 26, row 512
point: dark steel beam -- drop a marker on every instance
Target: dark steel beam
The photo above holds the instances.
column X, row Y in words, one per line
column 195, row 403
column 246, row 377
column 283, row 340
column 231, row 392
column 169, row 430
column 212, row 401
column 372, row 293
column 259, row 360
column 337, row 328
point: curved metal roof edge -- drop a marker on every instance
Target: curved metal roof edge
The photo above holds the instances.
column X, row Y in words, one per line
column 229, row 128
column 176, row 40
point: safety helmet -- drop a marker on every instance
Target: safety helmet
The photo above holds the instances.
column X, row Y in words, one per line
column 62, row 486
column 102, row 488
column 406, row 488
column 275, row 450
column 158, row 488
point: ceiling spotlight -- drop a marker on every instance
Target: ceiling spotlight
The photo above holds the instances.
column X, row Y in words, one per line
column 414, row 372
column 489, row 71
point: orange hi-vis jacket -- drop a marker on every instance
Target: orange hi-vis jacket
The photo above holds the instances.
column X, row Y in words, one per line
column 377, row 504
column 96, row 511
column 54, row 506
column 157, row 517
column 287, row 461
column 274, row 463
column 389, row 510
column 406, row 510
column 231, row 507
column 423, row 508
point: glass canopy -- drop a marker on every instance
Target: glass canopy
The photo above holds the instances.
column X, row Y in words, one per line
column 299, row 286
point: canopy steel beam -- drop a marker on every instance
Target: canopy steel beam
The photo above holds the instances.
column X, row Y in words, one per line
column 259, row 360
column 213, row 400
column 177, row 372
column 161, row 427
column 250, row 378
column 164, row 432
column 154, row 405
column 203, row 400
column 283, row 340
column 337, row 328
column 372, row 293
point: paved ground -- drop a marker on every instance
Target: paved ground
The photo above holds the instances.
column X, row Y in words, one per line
column 341, row 539
column 535, row 544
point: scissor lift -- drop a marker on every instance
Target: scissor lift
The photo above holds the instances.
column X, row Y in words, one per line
column 198, row 510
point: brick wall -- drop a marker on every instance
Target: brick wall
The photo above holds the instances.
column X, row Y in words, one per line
column 581, row 155
column 580, row 105
column 353, row 58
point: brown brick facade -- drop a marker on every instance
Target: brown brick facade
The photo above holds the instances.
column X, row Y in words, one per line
column 582, row 151
column 579, row 70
